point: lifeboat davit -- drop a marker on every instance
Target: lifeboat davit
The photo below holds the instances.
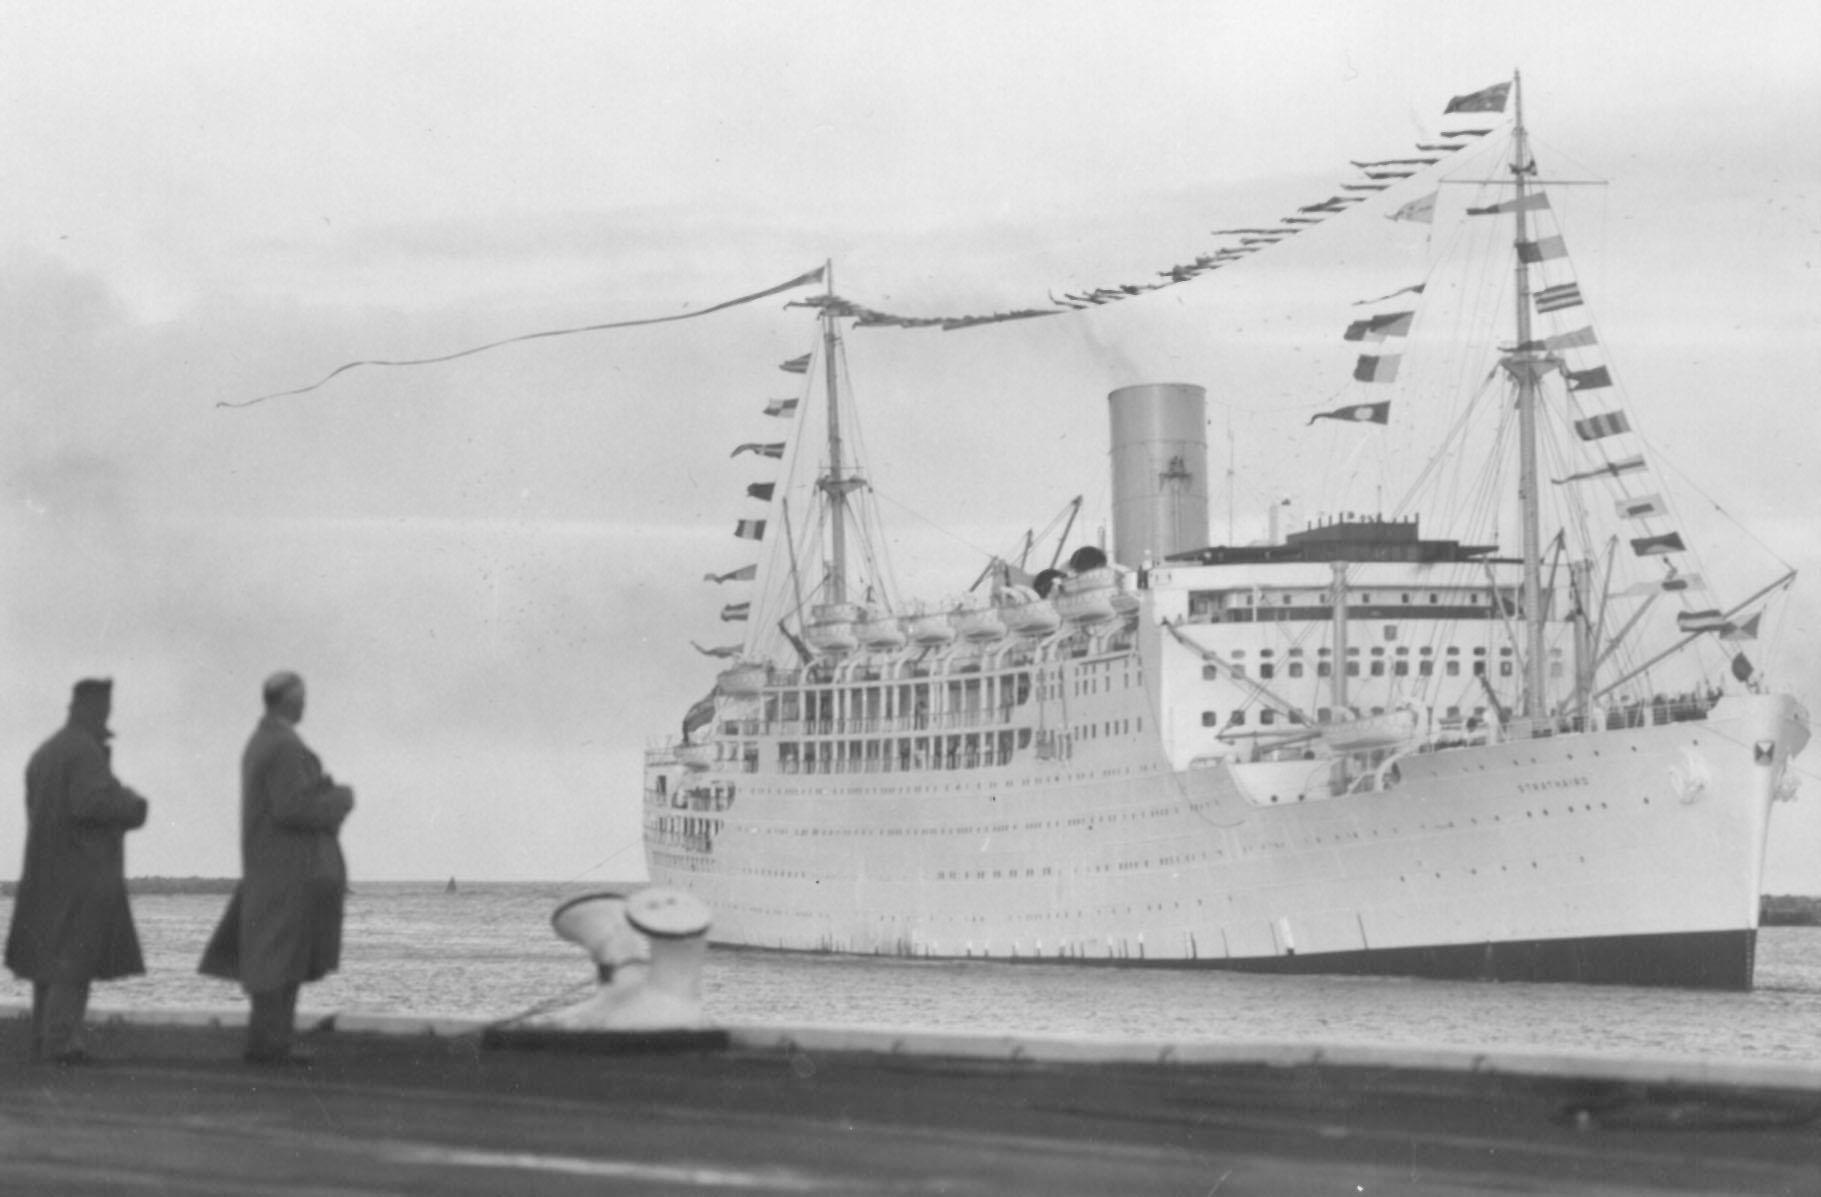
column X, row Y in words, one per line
column 830, row 630
column 1025, row 612
column 1087, row 597
column 880, row 630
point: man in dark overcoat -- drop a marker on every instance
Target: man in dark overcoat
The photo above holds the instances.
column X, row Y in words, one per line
column 71, row 921
column 283, row 926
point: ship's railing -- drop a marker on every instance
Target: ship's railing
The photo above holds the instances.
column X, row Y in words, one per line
column 908, row 667
column 1661, row 710
column 947, row 721
column 1473, row 733
column 694, row 841
column 920, row 762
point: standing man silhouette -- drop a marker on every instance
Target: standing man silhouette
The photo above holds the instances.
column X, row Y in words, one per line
column 71, row 920
column 283, row 926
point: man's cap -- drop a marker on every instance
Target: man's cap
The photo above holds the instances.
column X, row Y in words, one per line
column 90, row 688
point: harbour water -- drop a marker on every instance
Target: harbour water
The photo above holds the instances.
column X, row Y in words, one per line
column 487, row 951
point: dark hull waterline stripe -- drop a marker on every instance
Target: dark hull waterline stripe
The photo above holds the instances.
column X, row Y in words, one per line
column 1685, row 960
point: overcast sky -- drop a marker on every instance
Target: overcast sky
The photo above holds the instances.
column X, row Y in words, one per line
column 490, row 571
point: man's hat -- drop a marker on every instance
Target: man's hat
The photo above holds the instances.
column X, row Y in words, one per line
column 90, row 688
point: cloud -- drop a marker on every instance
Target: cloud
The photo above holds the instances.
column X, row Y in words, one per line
column 382, row 542
column 66, row 481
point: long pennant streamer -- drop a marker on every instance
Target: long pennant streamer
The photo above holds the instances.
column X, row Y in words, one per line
column 814, row 276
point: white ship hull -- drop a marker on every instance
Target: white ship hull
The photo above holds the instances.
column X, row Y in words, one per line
column 1631, row 856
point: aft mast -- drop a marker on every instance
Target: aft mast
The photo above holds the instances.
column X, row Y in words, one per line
column 834, row 482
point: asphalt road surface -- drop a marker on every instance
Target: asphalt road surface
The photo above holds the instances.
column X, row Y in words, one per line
column 172, row 1109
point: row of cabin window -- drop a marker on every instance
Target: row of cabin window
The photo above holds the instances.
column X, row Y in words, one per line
column 1424, row 651
column 1323, row 597
column 1267, row 716
column 1400, row 667
column 1268, row 671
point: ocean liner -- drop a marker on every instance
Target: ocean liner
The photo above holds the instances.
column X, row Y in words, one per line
column 1353, row 748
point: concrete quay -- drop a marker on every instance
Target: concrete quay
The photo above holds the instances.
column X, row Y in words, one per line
column 425, row 1105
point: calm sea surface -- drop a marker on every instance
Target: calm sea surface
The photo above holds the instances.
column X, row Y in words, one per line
column 488, row 952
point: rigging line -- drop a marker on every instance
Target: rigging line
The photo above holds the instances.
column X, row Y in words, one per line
column 1243, row 409
column 1677, row 647
column 813, row 276
column 1556, row 450
column 1179, row 778
column 917, row 515
column 1469, row 251
column 1670, row 463
column 775, row 606
column 796, row 543
column 1352, row 467
column 541, row 899
column 865, row 512
column 1253, row 490
column 1617, row 648
column 1032, row 537
column 1584, row 404
column 883, row 570
column 796, row 586
column 1257, row 690
column 1442, row 456
column 619, row 851
column 1457, row 253
column 1481, row 487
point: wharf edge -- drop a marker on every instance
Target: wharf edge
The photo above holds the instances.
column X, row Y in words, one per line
column 414, row 1103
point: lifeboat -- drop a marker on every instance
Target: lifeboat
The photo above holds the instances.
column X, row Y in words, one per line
column 1026, row 613
column 1125, row 601
column 743, row 680
column 696, row 757
column 1087, row 597
column 830, row 630
column 978, row 625
column 930, row 629
column 880, row 630
column 1371, row 732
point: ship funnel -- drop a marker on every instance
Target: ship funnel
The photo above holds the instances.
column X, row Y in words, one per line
column 1160, row 471
column 648, row 948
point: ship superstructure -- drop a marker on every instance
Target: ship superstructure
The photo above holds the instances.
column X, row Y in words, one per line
column 1354, row 748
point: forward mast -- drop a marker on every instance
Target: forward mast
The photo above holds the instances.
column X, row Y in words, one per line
column 1527, row 364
